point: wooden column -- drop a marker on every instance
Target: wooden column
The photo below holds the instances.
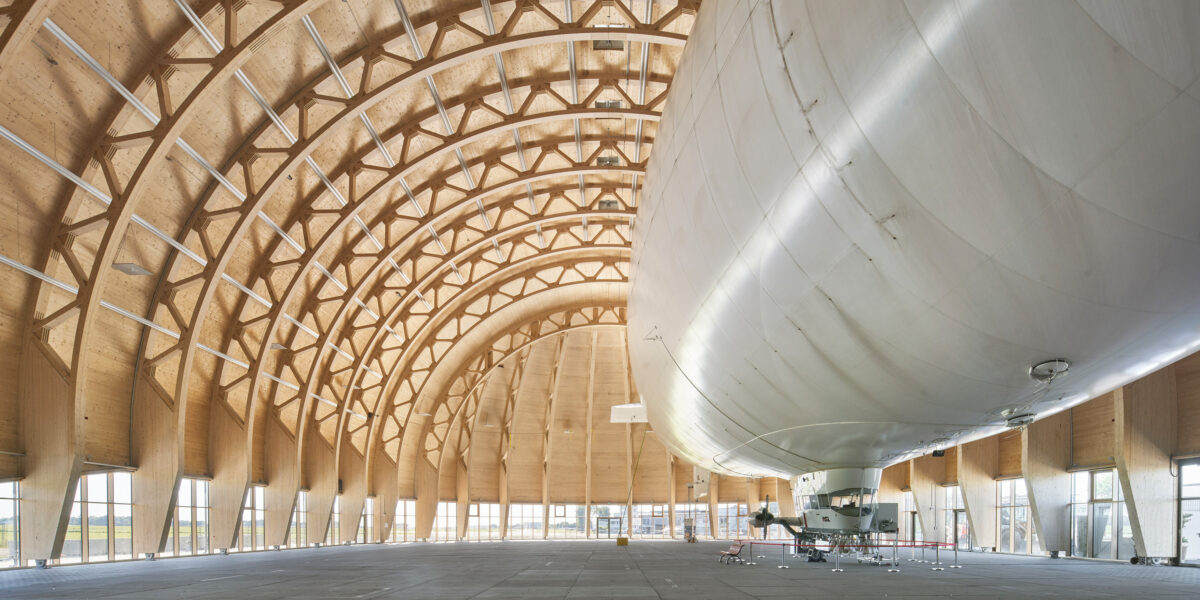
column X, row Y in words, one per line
column 787, row 503
column 319, row 472
column 462, row 497
column 671, row 493
column 354, row 491
column 426, row 487
column 1045, row 457
column 977, row 464
column 629, row 458
column 547, row 431
column 930, row 500
column 52, row 433
column 1145, row 413
column 753, row 500
column 229, row 456
column 281, row 468
column 381, row 471
column 158, row 454
column 714, row 489
column 587, row 443
column 510, row 410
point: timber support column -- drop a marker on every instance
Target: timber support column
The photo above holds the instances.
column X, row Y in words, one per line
column 52, row 433
column 753, row 499
column 353, row 470
column 1145, row 414
column 977, row 465
column 671, row 493
column 158, row 455
column 927, row 474
column 319, row 473
column 714, row 484
column 1045, row 457
column 282, row 470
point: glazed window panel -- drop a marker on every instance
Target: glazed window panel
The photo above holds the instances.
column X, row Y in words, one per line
column 1014, row 523
column 568, row 521
column 99, row 528
column 10, row 540
column 405, row 521
column 1100, row 525
column 1189, row 512
column 525, row 522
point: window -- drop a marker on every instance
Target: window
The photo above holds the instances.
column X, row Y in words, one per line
column 697, row 514
column 483, row 522
column 404, row 524
column 333, row 535
column 1189, row 512
column 298, row 530
column 10, row 545
column 910, row 525
column 608, row 520
column 366, row 523
column 525, row 521
column 104, row 501
column 1099, row 520
column 732, row 520
column 445, row 524
column 189, row 530
column 650, row 521
column 568, row 521
column 254, row 533
column 1014, row 523
column 957, row 529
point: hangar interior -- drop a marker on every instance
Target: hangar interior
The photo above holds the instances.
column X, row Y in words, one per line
column 350, row 279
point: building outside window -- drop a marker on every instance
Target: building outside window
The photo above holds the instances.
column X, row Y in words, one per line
column 10, row 541
column 445, row 524
column 910, row 523
column 104, row 501
column 1189, row 512
column 608, row 520
column 1099, row 520
column 333, row 535
column 405, row 521
column 525, row 521
column 298, row 530
column 650, row 521
column 698, row 513
column 1015, row 532
column 483, row 522
column 568, row 521
column 366, row 523
column 774, row 532
column 732, row 521
column 254, row 521
column 189, row 530
column 957, row 528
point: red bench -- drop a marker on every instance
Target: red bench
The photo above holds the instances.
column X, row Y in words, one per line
column 733, row 553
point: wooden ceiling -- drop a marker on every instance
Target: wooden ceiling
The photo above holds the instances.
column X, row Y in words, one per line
column 331, row 218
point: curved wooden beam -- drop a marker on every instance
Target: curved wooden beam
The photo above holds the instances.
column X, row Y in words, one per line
column 436, row 351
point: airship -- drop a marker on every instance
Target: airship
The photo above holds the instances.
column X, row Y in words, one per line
column 875, row 229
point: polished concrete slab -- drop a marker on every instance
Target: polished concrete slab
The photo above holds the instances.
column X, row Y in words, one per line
column 584, row 569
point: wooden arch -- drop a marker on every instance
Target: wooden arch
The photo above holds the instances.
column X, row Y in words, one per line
column 317, row 206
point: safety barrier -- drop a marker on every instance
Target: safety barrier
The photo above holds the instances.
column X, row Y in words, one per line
column 837, row 551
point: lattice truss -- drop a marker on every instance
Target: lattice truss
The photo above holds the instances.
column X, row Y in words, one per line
column 357, row 229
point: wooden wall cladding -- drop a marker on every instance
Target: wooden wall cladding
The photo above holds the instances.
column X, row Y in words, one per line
column 1187, row 388
column 1009, row 462
column 1093, row 433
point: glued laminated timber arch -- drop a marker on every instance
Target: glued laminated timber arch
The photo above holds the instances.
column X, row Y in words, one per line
column 201, row 164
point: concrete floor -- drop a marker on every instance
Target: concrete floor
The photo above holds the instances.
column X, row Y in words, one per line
column 583, row 569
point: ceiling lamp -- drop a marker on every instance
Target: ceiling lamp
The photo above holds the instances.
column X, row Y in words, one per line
column 1048, row 370
column 131, row 268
